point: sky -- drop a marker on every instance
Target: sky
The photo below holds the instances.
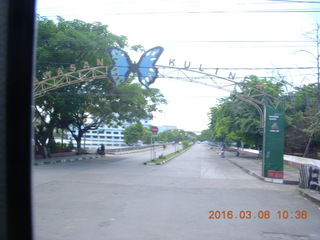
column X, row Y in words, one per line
column 265, row 36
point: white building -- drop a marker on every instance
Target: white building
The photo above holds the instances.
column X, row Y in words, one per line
column 110, row 137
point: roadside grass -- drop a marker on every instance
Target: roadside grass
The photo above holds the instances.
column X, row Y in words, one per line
column 291, row 168
column 165, row 157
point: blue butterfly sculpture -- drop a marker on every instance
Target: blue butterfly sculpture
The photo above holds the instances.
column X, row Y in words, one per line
column 122, row 66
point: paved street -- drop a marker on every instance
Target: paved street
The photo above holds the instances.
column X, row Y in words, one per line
column 118, row 197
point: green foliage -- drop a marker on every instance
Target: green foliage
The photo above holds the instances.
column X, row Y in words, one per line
column 185, row 144
column 133, row 133
column 176, row 135
column 163, row 158
column 84, row 106
column 72, row 42
column 235, row 120
column 206, row 135
column 303, row 122
column 58, row 147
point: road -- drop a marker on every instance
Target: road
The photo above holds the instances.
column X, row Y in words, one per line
column 120, row 198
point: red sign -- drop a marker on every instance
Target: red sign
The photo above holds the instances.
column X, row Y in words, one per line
column 154, row 129
column 275, row 174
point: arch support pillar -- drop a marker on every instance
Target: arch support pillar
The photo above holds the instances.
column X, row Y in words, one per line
column 273, row 143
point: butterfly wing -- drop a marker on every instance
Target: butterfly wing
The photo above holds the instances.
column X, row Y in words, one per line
column 147, row 72
column 119, row 72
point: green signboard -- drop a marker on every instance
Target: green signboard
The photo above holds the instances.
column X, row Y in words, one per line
column 273, row 143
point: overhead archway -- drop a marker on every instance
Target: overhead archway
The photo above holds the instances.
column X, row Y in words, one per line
column 258, row 99
column 271, row 116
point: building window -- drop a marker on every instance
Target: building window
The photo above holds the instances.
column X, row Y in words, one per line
column 115, row 132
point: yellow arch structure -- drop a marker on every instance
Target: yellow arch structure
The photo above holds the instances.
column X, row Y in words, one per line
column 62, row 80
column 184, row 74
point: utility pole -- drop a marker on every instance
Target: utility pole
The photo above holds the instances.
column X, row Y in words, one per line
column 318, row 65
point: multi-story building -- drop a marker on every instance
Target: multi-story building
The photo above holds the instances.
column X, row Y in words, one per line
column 110, row 137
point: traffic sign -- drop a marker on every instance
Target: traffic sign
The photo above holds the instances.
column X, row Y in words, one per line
column 154, row 129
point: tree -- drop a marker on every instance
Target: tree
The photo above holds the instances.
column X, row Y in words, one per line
column 75, row 42
column 133, row 133
column 44, row 127
column 206, row 135
column 60, row 46
column 314, row 124
column 303, row 128
column 236, row 120
column 176, row 135
column 87, row 105
column 314, row 36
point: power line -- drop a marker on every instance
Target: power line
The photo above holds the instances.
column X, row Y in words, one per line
column 219, row 42
column 211, row 12
column 203, row 68
column 200, row 41
column 293, row 1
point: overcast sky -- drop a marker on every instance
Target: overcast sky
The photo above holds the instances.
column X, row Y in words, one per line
column 263, row 35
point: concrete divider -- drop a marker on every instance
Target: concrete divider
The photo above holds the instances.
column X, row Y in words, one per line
column 125, row 149
column 290, row 160
column 296, row 162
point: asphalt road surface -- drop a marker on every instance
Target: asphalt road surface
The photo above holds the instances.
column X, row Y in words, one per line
column 197, row 196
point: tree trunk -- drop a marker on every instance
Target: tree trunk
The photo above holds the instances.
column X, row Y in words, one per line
column 308, row 145
column 42, row 146
column 78, row 140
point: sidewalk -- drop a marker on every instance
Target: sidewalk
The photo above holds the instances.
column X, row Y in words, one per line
column 253, row 166
column 64, row 159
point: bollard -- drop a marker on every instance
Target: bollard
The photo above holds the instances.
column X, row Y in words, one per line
column 304, row 176
column 313, row 177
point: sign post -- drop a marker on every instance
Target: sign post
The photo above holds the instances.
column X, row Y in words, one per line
column 154, row 131
column 273, row 143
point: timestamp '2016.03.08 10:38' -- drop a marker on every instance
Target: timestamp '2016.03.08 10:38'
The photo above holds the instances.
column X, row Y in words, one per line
column 266, row 214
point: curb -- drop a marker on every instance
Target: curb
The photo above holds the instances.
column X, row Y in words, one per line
column 266, row 179
column 168, row 160
column 123, row 153
column 64, row 160
column 279, row 181
column 309, row 197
